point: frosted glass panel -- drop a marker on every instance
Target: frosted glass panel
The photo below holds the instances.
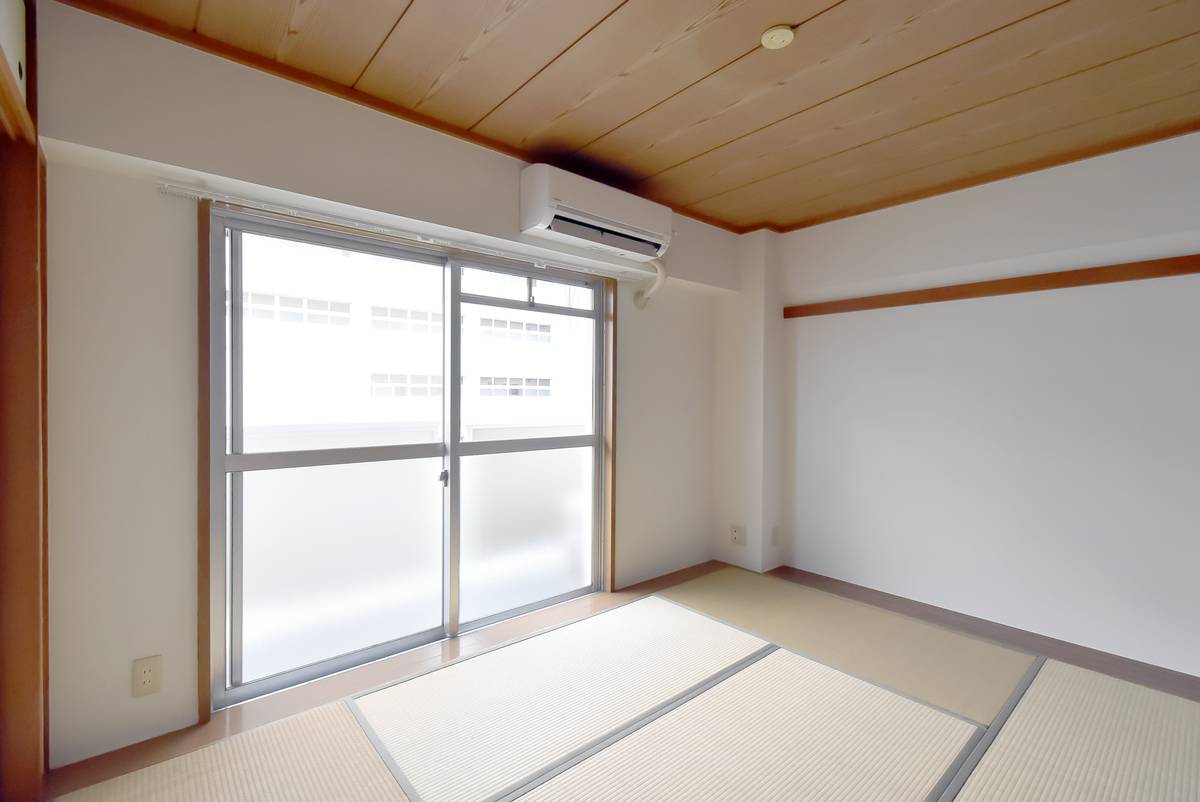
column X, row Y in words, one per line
column 340, row 348
column 526, row 374
column 338, row 558
column 526, row 528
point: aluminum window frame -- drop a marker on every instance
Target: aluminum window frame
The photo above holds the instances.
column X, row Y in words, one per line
column 458, row 448
column 228, row 463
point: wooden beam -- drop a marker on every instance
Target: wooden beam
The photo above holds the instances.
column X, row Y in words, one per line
column 24, row 632
column 22, row 543
column 1109, row 274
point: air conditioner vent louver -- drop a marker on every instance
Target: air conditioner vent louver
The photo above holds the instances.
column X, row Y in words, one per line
column 603, row 236
column 569, row 209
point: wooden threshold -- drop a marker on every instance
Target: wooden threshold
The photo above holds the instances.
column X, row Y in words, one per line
column 256, row 712
column 1108, row 274
column 1151, row 676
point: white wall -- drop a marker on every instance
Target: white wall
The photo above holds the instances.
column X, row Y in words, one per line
column 122, row 418
column 1022, row 459
column 748, row 397
column 121, row 312
column 1029, row 459
column 120, row 108
column 1134, row 204
column 665, row 416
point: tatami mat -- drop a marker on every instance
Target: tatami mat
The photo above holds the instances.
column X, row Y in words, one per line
column 318, row 756
column 478, row 727
column 784, row 728
column 1079, row 736
column 959, row 673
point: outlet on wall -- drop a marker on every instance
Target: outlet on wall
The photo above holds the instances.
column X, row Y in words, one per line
column 147, row 675
column 776, row 536
column 737, row 534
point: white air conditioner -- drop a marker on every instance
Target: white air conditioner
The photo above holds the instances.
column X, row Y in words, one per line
column 566, row 208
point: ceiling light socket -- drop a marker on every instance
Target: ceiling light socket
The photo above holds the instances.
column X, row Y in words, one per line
column 778, row 37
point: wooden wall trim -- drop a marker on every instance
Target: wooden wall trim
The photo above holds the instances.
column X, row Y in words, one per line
column 203, row 490
column 1108, row 274
column 31, row 103
column 44, row 335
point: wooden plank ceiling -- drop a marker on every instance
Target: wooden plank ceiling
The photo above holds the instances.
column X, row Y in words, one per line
column 875, row 103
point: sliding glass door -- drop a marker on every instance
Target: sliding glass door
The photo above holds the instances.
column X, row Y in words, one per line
column 527, row 440
column 403, row 445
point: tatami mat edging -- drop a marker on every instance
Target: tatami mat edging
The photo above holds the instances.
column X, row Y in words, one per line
column 800, row 653
column 752, row 736
column 1078, row 734
column 964, row 769
column 967, row 675
column 452, row 733
column 633, row 726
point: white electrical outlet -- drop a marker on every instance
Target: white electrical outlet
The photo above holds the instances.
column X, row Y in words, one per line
column 147, row 675
column 737, row 534
column 776, row 536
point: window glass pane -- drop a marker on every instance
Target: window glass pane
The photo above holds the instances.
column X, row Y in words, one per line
column 496, row 285
column 526, row 528
column 570, row 295
column 338, row 558
column 228, row 342
column 526, row 374
column 320, row 324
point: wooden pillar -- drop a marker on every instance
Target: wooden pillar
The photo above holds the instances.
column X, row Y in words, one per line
column 22, row 524
column 23, row 624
